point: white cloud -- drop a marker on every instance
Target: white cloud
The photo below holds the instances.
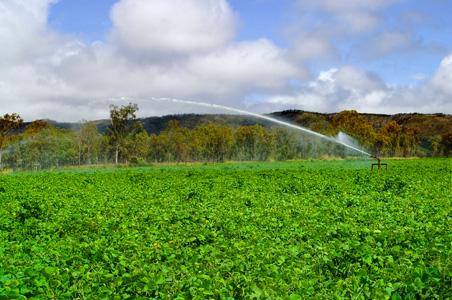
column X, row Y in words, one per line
column 45, row 74
column 337, row 89
column 333, row 29
column 67, row 80
column 310, row 47
column 442, row 79
column 351, row 15
column 350, row 88
column 156, row 27
column 227, row 72
column 250, row 65
column 352, row 78
column 21, row 22
column 392, row 42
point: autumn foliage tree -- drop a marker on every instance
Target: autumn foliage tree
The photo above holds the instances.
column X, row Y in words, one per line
column 8, row 123
column 214, row 142
column 446, row 144
column 35, row 127
column 352, row 123
column 43, row 145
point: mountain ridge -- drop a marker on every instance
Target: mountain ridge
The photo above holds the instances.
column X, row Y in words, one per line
column 429, row 125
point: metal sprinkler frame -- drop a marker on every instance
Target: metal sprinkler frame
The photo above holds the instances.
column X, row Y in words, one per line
column 379, row 165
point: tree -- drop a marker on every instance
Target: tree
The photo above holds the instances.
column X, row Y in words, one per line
column 26, row 153
column 8, row 123
column 124, row 124
column 391, row 134
column 49, row 147
column 252, row 143
column 285, row 144
column 89, row 141
column 382, row 143
column 179, row 141
column 409, row 141
column 159, row 147
column 435, row 145
column 446, row 143
column 355, row 125
column 215, row 142
column 138, row 147
column 35, row 127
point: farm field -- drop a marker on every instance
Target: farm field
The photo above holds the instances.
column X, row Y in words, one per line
column 276, row 230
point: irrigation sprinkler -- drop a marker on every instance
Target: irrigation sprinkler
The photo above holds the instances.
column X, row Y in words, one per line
column 379, row 165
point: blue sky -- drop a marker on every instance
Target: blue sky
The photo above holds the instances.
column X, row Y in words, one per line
column 431, row 30
column 74, row 57
column 90, row 19
column 87, row 18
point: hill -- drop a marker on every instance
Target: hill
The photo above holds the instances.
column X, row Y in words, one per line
column 432, row 133
column 429, row 125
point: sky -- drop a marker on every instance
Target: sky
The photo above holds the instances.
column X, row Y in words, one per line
column 68, row 60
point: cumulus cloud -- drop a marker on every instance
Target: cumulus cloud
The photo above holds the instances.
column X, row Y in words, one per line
column 354, row 79
column 183, row 49
column 29, row 52
column 250, row 65
column 351, row 88
column 442, row 79
column 20, row 23
column 99, row 70
column 153, row 27
column 337, row 89
column 59, row 77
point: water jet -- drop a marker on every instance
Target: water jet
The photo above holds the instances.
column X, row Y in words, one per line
column 264, row 117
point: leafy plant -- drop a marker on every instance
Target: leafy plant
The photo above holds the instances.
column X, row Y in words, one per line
column 295, row 230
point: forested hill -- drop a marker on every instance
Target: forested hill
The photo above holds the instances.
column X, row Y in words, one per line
column 428, row 125
column 157, row 124
column 430, row 133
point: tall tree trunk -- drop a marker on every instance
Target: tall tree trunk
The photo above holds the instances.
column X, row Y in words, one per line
column 79, row 154
column 117, row 154
column 2, row 141
column 88, row 155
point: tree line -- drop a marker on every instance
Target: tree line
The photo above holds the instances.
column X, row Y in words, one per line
column 410, row 134
column 42, row 145
column 390, row 138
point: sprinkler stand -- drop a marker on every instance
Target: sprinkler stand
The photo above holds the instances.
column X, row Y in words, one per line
column 379, row 165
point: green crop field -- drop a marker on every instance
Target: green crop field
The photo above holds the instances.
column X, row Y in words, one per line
column 295, row 230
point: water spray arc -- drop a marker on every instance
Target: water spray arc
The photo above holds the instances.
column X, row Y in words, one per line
column 263, row 117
